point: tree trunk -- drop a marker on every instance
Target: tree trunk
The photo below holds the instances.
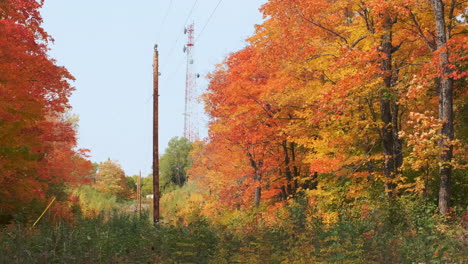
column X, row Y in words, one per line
column 258, row 192
column 257, row 179
column 445, row 108
column 284, row 195
column 295, row 168
column 287, row 161
column 389, row 113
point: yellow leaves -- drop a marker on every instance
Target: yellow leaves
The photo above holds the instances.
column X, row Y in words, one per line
column 328, row 218
column 423, row 140
column 323, row 201
column 182, row 205
column 315, row 74
column 417, row 186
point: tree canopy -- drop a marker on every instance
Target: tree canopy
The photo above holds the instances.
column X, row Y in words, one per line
column 174, row 163
column 110, row 178
column 338, row 94
column 38, row 155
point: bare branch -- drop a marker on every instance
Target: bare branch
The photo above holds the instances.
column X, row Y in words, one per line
column 358, row 40
column 450, row 22
column 320, row 26
column 364, row 13
column 320, row 55
column 430, row 44
column 328, row 78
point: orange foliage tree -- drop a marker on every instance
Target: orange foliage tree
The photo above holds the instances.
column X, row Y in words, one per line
column 246, row 121
column 326, row 91
column 37, row 142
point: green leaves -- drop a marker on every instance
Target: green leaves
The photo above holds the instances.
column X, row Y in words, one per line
column 174, row 163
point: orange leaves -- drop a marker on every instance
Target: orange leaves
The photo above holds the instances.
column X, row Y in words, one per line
column 326, row 164
column 314, row 104
column 36, row 141
column 247, row 119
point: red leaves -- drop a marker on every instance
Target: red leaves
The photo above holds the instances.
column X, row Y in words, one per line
column 36, row 140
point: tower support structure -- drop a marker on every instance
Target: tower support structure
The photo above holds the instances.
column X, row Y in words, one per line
column 191, row 95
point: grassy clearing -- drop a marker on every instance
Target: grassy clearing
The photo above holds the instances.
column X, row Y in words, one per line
column 393, row 234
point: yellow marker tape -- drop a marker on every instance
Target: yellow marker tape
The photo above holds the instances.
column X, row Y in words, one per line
column 47, row 208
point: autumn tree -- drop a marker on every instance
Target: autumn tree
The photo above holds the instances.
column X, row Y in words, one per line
column 110, row 178
column 332, row 86
column 249, row 118
column 37, row 142
column 223, row 175
column 366, row 57
column 445, row 82
column 440, row 26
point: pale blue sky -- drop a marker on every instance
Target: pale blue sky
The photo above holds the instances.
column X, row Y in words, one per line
column 108, row 45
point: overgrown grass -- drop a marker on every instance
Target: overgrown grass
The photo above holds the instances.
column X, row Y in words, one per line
column 400, row 231
column 93, row 202
column 116, row 238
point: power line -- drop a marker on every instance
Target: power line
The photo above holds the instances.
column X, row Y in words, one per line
column 159, row 34
column 164, row 20
column 180, row 34
column 190, row 13
column 201, row 32
column 209, row 18
column 179, row 64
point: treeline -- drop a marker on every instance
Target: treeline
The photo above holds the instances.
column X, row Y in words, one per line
column 110, row 188
column 367, row 96
column 338, row 134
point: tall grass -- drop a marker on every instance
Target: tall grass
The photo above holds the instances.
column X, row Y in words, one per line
column 403, row 231
column 114, row 238
column 93, row 202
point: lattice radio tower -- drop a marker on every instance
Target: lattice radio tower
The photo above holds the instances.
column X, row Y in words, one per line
column 190, row 115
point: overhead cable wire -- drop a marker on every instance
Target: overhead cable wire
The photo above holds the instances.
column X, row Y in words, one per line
column 203, row 29
column 190, row 13
column 159, row 34
column 180, row 34
column 208, row 21
column 164, row 20
column 177, row 69
column 165, row 62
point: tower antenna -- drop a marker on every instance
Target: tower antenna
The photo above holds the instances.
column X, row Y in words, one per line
column 190, row 114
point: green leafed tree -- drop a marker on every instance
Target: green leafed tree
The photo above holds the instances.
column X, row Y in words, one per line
column 147, row 185
column 174, row 164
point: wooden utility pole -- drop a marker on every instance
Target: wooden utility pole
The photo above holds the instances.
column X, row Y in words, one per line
column 155, row 136
column 139, row 194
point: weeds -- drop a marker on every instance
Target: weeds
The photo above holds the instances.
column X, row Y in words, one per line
column 401, row 231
